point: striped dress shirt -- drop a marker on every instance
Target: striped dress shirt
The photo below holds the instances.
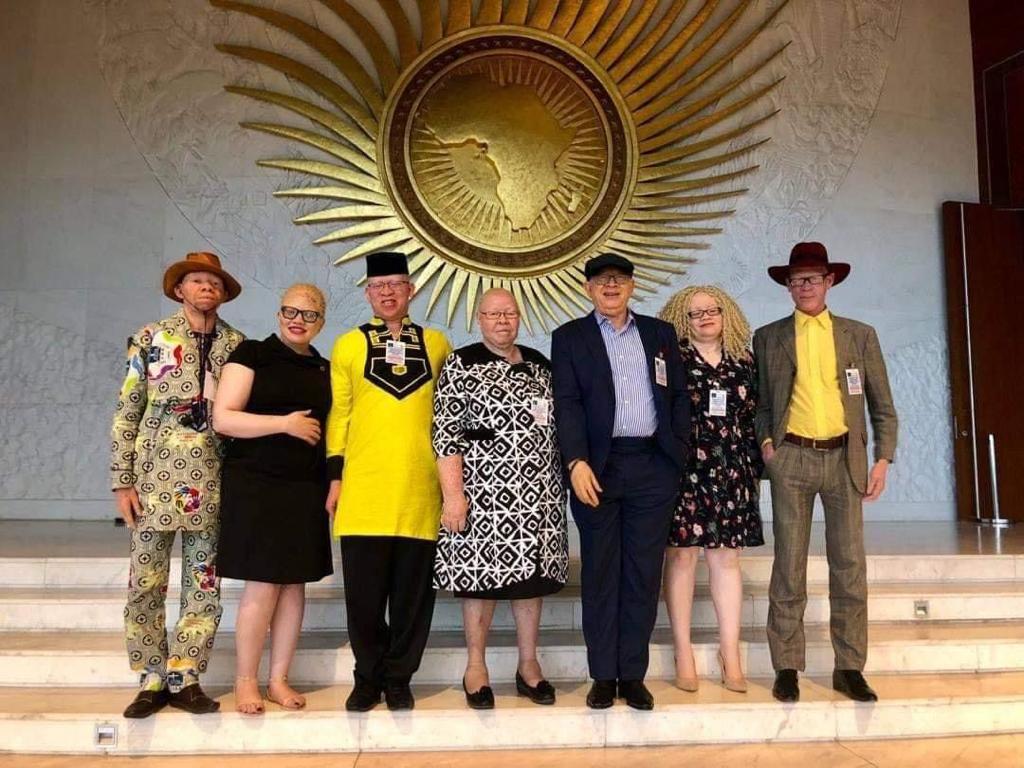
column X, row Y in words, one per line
column 635, row 414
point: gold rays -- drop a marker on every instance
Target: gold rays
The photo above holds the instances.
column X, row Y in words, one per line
column 687, row 111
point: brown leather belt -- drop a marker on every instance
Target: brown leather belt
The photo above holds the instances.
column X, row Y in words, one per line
column 816, row 444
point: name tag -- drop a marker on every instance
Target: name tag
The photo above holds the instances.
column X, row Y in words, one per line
column 853, row 383
column 394, row 352
column 209, row 387
column 540, row 409
column 660, row 372
column 717, row 402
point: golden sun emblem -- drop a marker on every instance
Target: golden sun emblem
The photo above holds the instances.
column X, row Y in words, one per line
column 506, row 145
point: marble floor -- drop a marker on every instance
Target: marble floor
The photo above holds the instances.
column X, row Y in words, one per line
column 964, row 752
column 53, row 538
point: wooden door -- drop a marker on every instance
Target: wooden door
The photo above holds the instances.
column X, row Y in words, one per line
column 984, row 249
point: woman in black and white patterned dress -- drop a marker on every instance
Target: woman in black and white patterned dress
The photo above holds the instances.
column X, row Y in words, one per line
column 503, row 526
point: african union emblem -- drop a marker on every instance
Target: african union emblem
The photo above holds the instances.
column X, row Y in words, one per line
column 508, row 144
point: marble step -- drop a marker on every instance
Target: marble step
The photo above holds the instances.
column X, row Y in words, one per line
column 324, row 658
column 38, row 720
column 110, row 571
column 99, row 609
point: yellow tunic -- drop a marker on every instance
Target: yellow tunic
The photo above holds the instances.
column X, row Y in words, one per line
column 378, row 430
column 816, row 408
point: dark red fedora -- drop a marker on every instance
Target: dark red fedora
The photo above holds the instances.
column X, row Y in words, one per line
column 809, row 255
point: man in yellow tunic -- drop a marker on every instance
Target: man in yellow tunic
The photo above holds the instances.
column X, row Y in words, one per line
column 385, row 494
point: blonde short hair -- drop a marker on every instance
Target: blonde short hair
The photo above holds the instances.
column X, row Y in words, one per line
column 735, row 328
column 311, row 292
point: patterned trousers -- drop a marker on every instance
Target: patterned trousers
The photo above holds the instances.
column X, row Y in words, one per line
column 797, row 475
column 179, row 662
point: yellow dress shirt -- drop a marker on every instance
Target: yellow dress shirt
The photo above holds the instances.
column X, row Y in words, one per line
column 816, row 408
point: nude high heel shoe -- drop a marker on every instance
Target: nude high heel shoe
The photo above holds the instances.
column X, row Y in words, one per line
column 734, row 684
column 688, row 684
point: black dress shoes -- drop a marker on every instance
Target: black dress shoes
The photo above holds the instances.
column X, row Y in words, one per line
column 636, row 694
column 601, row 694
column 192, row 699
column 482, row 699
column 851, row 683
column 786, row 688
column 364, row 697
column 541, row 693
column 398, row 696
column 147, row 703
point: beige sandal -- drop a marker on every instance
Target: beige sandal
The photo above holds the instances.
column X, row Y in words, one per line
column 294, row 700
column 243, row 705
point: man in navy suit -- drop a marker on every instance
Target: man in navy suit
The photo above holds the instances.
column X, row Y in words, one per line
column 623, row 419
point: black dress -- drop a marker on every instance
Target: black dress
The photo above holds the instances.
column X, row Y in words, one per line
column 274, row 527
column 718, row 502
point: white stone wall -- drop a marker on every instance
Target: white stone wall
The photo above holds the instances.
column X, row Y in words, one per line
column 121, row 152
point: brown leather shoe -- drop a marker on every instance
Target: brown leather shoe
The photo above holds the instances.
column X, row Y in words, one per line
column 192, row 699
column 147, row 703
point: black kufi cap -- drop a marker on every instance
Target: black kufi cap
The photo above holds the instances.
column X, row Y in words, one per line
column 386, row 263
column 607, row 261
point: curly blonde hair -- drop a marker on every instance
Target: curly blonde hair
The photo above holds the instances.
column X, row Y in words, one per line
column 311, row 292
column 735, row 328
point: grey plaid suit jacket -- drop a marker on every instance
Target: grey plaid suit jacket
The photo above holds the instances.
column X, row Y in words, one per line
column 856, row 347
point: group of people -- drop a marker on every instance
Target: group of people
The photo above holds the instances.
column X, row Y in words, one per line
column 449, row 470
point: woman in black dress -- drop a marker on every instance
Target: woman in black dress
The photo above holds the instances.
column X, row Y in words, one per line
column 273, row 398
column 718, row 504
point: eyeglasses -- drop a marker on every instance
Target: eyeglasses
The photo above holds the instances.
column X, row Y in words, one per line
column 508, row 314
column 604, row 280
column 697, row 314
column 379, row 285
column 799, row 282
column 308, row 315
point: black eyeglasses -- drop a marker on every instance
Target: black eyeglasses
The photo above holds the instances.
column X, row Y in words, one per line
column 799, row 282
column 308, row 315
column 697, row 314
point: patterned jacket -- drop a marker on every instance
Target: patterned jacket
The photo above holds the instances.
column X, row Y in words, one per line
column 174, row 466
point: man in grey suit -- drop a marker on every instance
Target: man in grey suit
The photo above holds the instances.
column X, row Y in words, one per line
column 816, row 372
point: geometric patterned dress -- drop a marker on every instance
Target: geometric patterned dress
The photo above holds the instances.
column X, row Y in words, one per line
column 500, row 418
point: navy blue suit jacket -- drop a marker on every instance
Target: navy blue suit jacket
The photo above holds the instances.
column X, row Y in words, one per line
column 585, row 394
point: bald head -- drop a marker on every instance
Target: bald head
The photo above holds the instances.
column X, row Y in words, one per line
column 498, row 299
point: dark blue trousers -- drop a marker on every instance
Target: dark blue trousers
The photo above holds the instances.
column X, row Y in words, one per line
column 622, row 548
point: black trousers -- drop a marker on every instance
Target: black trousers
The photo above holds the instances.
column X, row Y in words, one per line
column 622, row 549
column 389, row 600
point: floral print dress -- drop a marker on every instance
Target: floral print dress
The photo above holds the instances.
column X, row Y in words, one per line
column 718, row 502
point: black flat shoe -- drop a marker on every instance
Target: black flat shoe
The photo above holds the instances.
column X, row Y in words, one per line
column 364, row 697
column 147, row 703
column 636, row 694
column 192, row 699
column 851, row 683
column 482, row 699
column 398, row 696
column 786, row 689
column 601, row 695
column 541, row 693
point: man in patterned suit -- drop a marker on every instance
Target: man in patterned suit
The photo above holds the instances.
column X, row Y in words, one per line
column 623, row 419
column 165, row 467
column 816, row 373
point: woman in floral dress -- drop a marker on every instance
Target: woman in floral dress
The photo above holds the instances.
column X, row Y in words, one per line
column 718, row 503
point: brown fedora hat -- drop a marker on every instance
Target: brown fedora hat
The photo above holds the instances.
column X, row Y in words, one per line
column 809, row 255
column 200, row 261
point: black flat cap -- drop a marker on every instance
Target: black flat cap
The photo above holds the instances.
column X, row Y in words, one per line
column 386, row 263
column 599, row 264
